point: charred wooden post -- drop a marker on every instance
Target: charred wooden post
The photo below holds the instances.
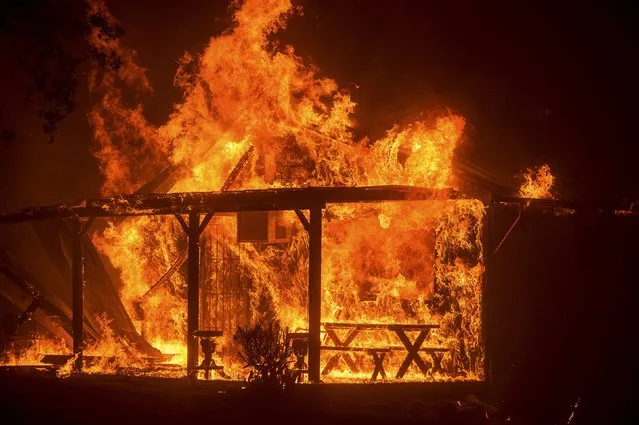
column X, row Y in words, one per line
column 77, row 281
column 78, row 295
column 193, row 231
column 314, row 292
column 488, row 240
column 193, row 294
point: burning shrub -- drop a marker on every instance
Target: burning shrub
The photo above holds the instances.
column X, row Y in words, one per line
column 264, row 351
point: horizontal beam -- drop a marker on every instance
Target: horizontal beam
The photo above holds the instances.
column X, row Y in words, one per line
column 387, row 348
column 229, row 201
column 556, row 203
column 606, row 207
column 378, row 326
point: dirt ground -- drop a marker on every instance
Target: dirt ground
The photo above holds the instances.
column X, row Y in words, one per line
column 38, row 397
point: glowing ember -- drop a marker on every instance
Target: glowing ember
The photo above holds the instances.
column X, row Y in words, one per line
column 538, row 183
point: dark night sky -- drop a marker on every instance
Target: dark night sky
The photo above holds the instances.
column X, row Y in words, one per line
column 537, row 83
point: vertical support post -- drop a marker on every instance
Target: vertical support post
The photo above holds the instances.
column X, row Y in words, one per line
column 77, row 281
column 314, row 293
column 487, row 313
column 193, row 294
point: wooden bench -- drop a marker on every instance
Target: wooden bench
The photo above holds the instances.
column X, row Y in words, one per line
column 378, row 355
column 436, row 353
column 389, row 348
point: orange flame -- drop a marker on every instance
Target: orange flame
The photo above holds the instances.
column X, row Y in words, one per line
column 538, row 183
column 415, row 262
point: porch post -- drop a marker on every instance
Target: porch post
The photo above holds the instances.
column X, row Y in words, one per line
column 77, row 291
column 314, row 292
column 193, row 293
column 488, row 240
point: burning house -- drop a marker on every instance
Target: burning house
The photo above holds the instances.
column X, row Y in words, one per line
column 255, row 203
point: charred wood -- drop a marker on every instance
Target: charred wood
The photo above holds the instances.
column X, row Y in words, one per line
column 27, row 283
column 230, row 201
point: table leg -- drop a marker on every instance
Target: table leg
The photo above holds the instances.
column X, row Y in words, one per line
column 413, row 351
column 350, row 336
column 378, row 359
column 334, row 360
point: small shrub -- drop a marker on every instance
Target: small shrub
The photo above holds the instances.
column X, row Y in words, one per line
column 264, row 351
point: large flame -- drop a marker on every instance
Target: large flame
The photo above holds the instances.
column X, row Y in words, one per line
column 417, row 262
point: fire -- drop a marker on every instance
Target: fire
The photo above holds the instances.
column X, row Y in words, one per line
column 419, row 155
column 245, row 92
column 537, row 183
column 248, row 97
column 34, row 352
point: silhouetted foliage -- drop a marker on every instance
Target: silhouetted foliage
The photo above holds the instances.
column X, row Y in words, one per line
column 264, row 350
column 49, row 42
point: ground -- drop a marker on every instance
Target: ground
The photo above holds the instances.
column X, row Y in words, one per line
column 41, row 398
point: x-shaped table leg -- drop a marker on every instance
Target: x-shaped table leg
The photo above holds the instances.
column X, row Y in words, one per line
column 413, row 351
column 350, row 336
column 378, row 358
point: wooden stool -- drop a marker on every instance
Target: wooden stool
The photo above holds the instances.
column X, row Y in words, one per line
column 299, row 343
column 208, row 345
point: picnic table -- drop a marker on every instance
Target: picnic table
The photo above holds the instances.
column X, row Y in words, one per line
column 343, row 346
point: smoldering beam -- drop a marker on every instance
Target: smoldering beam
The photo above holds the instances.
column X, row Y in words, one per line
column 230, row 201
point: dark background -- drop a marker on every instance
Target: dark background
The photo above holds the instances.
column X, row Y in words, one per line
column 560, row 313
column 538, row 82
